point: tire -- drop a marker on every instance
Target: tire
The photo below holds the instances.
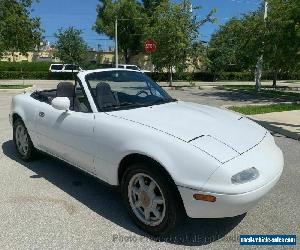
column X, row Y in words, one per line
column 167, row 205
column 22, row 141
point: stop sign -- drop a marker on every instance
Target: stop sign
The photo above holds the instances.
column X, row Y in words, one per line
column 150, row 46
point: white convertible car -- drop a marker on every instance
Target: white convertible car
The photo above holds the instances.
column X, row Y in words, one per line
column 170, row 158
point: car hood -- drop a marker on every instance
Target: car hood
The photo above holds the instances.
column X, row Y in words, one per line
column 221, row 133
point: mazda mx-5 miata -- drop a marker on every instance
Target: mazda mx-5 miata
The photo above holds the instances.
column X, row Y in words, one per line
column 170, row 158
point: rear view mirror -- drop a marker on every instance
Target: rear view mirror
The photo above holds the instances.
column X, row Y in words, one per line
column 61, row 103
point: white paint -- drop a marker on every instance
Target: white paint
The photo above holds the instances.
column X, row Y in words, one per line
column 200, row 146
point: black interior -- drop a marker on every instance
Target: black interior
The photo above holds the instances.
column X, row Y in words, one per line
column 64, row 89
column 105, row 98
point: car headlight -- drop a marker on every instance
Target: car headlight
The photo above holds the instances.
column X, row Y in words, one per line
column 245, row 176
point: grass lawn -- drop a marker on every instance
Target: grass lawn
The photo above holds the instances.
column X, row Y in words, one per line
column 262, row 109
column 14, row 86
column 267, row 93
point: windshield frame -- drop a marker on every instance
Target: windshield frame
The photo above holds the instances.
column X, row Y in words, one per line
column 148, row 81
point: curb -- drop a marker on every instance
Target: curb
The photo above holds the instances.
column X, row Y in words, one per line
column 268, row 126
column 278, row 130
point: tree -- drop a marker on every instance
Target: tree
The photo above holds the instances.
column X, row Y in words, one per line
column 18, row 30
column 131, row 23
column 151, row 5
column 242, row 41
column 282, row 36
column 71, row 48
column 224, row 47
column 175, row 31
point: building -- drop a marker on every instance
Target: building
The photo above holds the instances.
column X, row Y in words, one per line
column 46, row 52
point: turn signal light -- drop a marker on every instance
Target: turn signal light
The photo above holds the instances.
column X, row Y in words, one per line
column 203, row 197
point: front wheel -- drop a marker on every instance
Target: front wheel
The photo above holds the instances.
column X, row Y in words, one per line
column 22, row 141
column 151, row 199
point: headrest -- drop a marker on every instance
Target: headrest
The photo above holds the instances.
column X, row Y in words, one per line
column 103, row 88
column 65, row 89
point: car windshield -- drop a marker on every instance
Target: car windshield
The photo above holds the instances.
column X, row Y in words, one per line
column 121, row 89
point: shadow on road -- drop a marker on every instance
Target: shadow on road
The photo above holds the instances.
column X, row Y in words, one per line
column 237, row 96
column 107, row 202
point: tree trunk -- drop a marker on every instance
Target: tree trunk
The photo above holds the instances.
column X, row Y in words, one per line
column 215, row 76
column 275, row 73
column 170, row 77
column 126, row 56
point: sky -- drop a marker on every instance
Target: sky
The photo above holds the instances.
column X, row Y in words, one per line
column 81, row 14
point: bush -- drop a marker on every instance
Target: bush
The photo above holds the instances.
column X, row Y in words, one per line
column 236, row 76
column 35, row 75
column 156, row 76
column 24, row 66
column 61, row 76
column 14, row 75
column 184, row 76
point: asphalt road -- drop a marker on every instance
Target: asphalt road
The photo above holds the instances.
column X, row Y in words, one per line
column 46, row 204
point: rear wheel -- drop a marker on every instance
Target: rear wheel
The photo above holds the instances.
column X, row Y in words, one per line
column 22, row 141
column 150, row 198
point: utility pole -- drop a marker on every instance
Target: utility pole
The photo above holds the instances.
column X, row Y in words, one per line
column 259, row 64
column 116, row 43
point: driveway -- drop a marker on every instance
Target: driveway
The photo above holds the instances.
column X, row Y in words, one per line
column 46, row 204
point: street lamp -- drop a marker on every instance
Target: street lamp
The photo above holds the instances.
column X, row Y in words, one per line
column 259, row 64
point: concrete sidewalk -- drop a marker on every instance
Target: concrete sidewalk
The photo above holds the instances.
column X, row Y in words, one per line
column 286, row 123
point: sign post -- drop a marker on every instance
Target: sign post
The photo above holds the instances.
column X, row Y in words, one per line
column 150, row 47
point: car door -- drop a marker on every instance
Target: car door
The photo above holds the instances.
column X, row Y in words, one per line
column 68, row 134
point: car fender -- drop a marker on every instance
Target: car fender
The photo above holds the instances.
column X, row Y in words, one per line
column 186, row 164
column 26, row 108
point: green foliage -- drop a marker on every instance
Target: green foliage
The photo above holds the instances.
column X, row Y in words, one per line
column 282, row 36
column 262, row 109
column 131, row 23
column 71, row 48
column 175, row 30
column 224, row 47
column 24, row 66
column 14, row 75
column 61, row 76
column 35, row 75
column 237, row 45
column 18, row 30
column 221, row 76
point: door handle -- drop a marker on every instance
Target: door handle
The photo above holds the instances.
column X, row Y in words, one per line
column 41, row 114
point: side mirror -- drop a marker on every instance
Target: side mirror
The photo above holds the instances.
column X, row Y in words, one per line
column 61, row 103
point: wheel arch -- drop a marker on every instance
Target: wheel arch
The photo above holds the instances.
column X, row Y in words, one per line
column 16, row 116
column 135, row 158
column 138, row 157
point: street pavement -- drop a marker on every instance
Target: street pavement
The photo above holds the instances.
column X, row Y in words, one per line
column 46, row 204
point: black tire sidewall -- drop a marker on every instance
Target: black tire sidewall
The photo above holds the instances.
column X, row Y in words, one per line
column 173, row 210
column 31, row 150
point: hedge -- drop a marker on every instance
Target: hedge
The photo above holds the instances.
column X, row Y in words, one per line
column 35, row 75
column 14, row 75
column 24, row 66
column 197, row 76
column 223, row 76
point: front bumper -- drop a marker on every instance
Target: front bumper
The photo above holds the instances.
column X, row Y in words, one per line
column 226, row 205
column 232, row 199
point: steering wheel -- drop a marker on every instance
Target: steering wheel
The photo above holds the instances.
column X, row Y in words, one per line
column 142, row 92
